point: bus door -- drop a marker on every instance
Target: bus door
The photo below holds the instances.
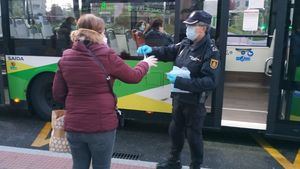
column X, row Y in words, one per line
column 284, row 107
column 249, row 45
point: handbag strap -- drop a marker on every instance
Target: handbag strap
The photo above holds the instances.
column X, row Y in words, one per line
column 107, row 79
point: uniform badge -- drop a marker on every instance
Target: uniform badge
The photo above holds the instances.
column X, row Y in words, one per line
column 214, row 63
column 194, row 58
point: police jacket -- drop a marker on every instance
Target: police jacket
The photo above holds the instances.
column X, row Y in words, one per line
column 202, row 59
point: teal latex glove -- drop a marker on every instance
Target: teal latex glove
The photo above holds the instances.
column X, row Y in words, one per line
column 143, row 50
column 171, row 77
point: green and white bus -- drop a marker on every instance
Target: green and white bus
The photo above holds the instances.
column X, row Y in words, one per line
column 258, row 40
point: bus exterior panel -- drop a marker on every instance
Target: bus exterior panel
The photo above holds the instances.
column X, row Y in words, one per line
column 22, row 69
column 152, row 94
column 247, row 58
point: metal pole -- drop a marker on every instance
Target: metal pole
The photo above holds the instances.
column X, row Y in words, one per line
column 2, row 89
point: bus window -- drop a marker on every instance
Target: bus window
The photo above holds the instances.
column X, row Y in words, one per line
column 122, row 21
column 33, row 19
column 240, row 32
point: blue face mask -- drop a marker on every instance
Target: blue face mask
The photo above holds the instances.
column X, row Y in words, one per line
column 191, row 32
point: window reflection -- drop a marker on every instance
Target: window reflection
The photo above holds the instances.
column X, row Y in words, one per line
column 38, row 19
column 122, row 28
column 236, row 20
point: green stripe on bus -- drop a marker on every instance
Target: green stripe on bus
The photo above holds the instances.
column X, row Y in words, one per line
column 19, row 81
column 155, row 78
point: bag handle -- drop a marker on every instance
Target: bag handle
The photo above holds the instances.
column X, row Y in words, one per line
column 98, row 62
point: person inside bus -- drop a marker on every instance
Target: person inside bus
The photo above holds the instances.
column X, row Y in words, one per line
column 63, row 33
column 198, row 54
column 81, row 84
column 156, row 36
column 138, row 33
column 183, row 16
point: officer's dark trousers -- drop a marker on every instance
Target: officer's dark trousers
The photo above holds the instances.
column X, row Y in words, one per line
column 187, row 120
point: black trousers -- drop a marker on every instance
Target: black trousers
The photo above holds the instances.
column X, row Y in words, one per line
column 187, row 120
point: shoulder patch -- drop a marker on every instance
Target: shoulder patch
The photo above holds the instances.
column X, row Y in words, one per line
column 214, row 49
column 214, row 63
column 213, row 46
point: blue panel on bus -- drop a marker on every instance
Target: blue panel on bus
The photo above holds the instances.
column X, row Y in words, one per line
column 297, row 94
column 243, row 58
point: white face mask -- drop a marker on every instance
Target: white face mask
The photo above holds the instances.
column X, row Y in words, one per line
column 142, row 27
column 191, row 32
column 105, row 39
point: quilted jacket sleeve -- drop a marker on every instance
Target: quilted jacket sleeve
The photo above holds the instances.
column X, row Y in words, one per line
column 125, row 73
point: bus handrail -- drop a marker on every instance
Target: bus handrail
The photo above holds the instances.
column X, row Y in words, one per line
column 262, row 36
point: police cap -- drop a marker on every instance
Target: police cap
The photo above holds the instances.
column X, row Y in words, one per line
column 198, row 16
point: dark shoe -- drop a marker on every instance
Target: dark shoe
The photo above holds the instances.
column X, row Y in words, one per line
column 169, row 164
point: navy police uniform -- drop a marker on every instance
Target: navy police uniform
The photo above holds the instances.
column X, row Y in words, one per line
column 202, row 59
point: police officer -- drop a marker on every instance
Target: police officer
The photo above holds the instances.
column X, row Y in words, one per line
column 200, row 56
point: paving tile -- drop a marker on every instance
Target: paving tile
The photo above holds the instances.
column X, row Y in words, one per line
column 14, row 160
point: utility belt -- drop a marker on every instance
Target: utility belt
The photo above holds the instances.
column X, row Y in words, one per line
column 191, row 98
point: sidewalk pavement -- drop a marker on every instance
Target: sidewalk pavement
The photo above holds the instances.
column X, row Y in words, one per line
column 22, row 158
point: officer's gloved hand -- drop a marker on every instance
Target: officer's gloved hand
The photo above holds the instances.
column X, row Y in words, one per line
column 143, row 50
column 171, row 77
